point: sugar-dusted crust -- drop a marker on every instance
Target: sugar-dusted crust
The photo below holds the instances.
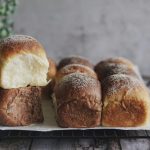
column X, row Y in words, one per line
column 19, row 107
column 107, row 69
column 126, row 102
column 78, row 98
column 74, row 60
column 20, row 44
column 75, row 68
column 113, row 66
column 118, row 60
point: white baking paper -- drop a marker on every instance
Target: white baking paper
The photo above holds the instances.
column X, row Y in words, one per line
column 50, row 124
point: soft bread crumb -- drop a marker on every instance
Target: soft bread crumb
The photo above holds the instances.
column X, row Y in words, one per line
column 23, row 70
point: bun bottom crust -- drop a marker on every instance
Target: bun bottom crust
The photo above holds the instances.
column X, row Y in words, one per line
column 128, row 113
column 75, row 114
column 21, row 106
column 126, row 102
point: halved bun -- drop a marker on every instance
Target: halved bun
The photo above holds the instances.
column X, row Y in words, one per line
column 23, row 62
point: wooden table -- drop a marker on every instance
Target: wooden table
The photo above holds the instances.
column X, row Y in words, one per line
column 75, row 144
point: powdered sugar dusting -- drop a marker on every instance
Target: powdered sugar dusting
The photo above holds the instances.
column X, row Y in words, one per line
column 114, row 83
column 68, row 68
column 78, row 80
column 118, row 60
column 18, row 38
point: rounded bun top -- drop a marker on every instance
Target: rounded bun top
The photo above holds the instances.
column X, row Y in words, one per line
column 116, row 65
column 106, row 69
column 75, row 68
column 127, row 87
column 74, row 60
column 118, row 60
column 20, row 44
column 23, row 62
column 77, row 86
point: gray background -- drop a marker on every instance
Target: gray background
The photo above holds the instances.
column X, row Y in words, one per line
column 92, row 28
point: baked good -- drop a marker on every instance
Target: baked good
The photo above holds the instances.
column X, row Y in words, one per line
column 74, row 60
column 75, row 68
column 52, row 69
column 23, row 62
column 119, row 60
column 77, row 99
column 21, row 106
column 126, row 102
column 48, row 89
column 107, row 69
column 116, row 65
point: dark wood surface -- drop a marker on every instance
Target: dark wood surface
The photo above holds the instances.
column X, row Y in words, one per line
column 75, row 144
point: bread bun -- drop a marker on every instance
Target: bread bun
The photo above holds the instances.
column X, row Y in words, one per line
column 23, row 62
column 126, row 102
column 52, row 69
column 21, row 106
column 74, row 60
column 75, row 68
column 107, row 69
column 113, row 66
column 78, row 101
column 49, row 88
column 118, row 60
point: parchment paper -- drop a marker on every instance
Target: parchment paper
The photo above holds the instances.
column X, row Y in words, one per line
column 50, row 124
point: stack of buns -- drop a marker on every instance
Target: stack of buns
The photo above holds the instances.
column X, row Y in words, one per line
column 126, row 101
column 110, row 94
column 23, row 70
column 77, row 94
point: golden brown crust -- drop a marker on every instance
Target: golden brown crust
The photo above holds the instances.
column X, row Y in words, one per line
column 126, row 102
column 75, row 68
column 77, row 114
column 21, row 106
column 77, row 86
column 20, row 44
column 74, row 60
column 104, row 70
column 52, row 68
column 128, row 113
column 82, row 90
column 119, row 60
column 113, row 66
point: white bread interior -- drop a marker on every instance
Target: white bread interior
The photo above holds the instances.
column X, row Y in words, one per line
column 22, row 70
